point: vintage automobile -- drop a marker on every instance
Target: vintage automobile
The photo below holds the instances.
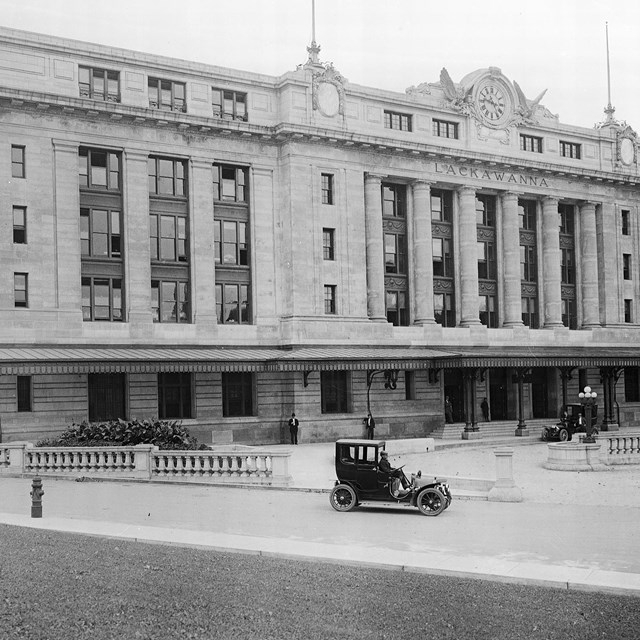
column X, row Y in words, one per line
column 573, row 421
column 360, row 481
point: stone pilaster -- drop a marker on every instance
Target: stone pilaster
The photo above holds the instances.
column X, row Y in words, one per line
column 551, row 264
column 375, row 247
column 610, row 290
column 511, row 257
column 422, row 253
column 468, row 234
column 589, row 262
column 136, row 227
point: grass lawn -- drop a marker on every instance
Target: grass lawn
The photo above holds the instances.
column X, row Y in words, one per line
column 56, row 586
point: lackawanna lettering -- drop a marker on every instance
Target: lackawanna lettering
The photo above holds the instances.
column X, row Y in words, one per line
column 498, row 176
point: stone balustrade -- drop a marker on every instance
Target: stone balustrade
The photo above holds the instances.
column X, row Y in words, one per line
column 224, row 465
column 620, row 448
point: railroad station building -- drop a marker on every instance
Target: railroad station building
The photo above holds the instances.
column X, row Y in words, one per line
column 224, row 248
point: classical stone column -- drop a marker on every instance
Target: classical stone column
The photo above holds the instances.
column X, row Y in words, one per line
column 468, row 246
column 589, row 262
column 137, row 262
column 511, row 257
column 610, row 287
column 551, row 263
column 375, row 247
column 422, row 252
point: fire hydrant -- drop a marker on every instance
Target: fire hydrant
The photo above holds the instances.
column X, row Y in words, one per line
column 36, row 497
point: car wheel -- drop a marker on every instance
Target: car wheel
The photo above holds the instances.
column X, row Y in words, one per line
column 343, row 498
column 431, row 502
column 563, row 435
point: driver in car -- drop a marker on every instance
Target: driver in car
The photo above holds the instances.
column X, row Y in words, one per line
column 385, row 466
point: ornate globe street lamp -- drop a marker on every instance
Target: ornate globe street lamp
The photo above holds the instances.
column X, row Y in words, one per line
column 588, row 399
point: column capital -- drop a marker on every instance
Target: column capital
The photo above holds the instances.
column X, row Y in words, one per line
column 374, row 177
column 65, row 146
column 510, row 195
column 466, row 190
column 583, row 204
column 550, row 200
column 420, row 183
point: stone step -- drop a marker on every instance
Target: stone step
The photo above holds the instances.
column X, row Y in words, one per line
column 490, row 429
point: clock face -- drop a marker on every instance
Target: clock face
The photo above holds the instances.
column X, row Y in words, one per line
column 328, row 99
column 627, row 151
column 493, row 103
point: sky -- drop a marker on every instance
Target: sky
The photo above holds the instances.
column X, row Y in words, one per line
column 558, row 45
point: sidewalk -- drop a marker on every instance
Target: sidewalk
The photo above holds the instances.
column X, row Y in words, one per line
column 573, row 530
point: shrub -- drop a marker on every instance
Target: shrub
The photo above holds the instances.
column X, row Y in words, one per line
column 161, row 433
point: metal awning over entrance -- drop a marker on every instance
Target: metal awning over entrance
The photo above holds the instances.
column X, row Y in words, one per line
column 33, row 359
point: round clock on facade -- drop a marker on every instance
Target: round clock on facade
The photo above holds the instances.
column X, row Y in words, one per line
column 627, row 151
column 328, row 99
column 493, row 103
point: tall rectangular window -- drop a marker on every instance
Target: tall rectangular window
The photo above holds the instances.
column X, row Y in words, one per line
column 441, row 205
column 398, row 121
column 18, row 164
column 99, row 84
column 394, row 202
column 174, row 395
column 334, row 391
column 530, row 143
column 485, row 210
column 569, row 313
column 528, row 263
column 626, row 266
column 527, row 214
column 626, row 224
column 20, row 225
column 167, row 177
column 107, row 394
column 567, row 266
column 445, row 129
column 328, row 244
column 230, row 242
column 409, row 385
column 395, row 256
column 444, row 310
column 167, row 95
column 488, row 311
column 99, row 170
column 530, row 312
column 330, row 299
column 237, row 394
column 102, row 299
column 570, row 150
column 486, row 260
column 100, row 235
column 442, row 258
column 170, row 301
column 24, row 393
column 232, row 303
column 21, row 289
column 628, row 314
column 168, row 238
column 566, row 216
column 396, row 305
column 230, row 183
column 230, row 105
column 327, row 188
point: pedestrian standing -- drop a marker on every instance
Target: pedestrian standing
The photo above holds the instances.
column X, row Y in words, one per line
column 370, row 423
column 448, row 410
column 294, row 423
column 484, row 405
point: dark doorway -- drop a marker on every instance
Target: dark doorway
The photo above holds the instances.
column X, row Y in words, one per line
column 539, row 394
column 454, row 389
column 106, row 396
column 498, row 391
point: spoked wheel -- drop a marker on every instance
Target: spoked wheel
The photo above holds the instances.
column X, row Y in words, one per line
column 343, row 498
column 431, row 502
column 563, row 436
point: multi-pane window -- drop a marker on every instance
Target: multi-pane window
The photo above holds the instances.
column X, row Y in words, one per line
column 107, row 393
column 529, row 312
column 167, row 177
column 18, row 165
column 232, row 303
column 98, row 169
column 444, row 310
column 334, row 391
column 101, row 299
column 397, row 312
column 395, row 256
column 445, row 129
column 626, row 266
column 237, row 394
column 99, row 84
column 399, row 121
column 442, row 257
column 530, row 143
column 628, row 318
column 486, row 260
column 174, row 395
column 327, row 188
column 24, row 393
column 626, row 228
column 328, row 244
column 441, row 205
column 21, row 289
column 167, row 95
column 330, row 299
column 528, row 263
column 100, row 235
column 170, row 301
column 486, row 210
column 229, row 183
column 230, row 105
column 230, row 242
column 569, row 313
column 566, row 215
column 570, row 150
column 527, row 214
column 168, row 238
column 394, row 202
column 20, row 225
column 488, row 312
column 567, row 266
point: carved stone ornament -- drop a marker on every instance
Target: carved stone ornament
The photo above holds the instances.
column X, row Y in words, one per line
column 328, row 91
column 626, row 146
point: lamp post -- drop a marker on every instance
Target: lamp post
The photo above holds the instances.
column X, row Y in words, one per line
column 588, row 399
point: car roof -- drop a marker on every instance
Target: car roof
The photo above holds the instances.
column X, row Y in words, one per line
column 361, row 441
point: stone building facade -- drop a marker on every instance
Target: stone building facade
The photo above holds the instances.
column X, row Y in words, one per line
column 224, row 248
